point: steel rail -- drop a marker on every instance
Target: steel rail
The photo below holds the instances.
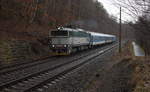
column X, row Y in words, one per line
column 34, row 76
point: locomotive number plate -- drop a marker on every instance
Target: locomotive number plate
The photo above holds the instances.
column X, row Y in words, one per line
column 59, row 45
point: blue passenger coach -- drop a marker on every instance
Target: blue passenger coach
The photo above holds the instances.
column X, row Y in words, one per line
column 99, row 38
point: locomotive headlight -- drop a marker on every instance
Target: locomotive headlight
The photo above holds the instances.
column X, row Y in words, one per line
column 53, row 45
column 65, row 45
column 68, row 45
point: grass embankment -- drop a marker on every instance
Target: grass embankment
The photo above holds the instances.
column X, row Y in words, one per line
column 141, row 76
column 141, row 71
column 116, row 74
column 12, row 51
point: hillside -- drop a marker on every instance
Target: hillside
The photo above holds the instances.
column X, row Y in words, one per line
column 37, row 17
column 31, row 20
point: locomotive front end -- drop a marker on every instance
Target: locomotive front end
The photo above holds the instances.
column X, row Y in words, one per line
column 60, row 42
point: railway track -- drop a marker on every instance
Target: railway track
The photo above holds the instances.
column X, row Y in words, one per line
column 21, row 63
column 46, row 77
column 18, row 66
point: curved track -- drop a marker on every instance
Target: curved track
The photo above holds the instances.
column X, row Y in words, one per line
column 32, row 81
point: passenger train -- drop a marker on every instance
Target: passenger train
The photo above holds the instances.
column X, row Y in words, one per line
column 64, row 41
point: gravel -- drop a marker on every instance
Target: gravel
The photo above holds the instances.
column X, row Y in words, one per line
column 21, row 73
column 80, row 81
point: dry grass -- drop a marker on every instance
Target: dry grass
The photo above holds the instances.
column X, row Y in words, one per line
column 13, row 50
column 127, row 53
column 141, row 74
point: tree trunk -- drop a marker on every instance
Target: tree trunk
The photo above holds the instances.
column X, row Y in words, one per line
column 0, row 5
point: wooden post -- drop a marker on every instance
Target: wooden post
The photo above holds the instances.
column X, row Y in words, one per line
column 120, row 35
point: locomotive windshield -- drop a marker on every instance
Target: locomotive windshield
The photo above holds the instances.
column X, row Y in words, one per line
column 59, row 33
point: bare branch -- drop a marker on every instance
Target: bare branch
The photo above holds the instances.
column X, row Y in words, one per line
column 134, row 8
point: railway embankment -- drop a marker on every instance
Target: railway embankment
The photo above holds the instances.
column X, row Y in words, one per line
column 121, row 72
column 141, row 75
column 14, row 51
column 129, row 74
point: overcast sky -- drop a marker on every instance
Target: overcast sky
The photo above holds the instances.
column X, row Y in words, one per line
column 113, row 10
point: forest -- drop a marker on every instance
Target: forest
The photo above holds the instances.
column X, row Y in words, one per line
column 37, row 17
column 31, row 20
column 25, row 24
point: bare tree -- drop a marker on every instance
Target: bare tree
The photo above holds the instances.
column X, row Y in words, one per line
column 141, row 10
column 133, row 8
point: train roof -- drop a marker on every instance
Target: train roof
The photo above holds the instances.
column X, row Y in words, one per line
column 70, row 29
column 101, row 34
column 78, row 29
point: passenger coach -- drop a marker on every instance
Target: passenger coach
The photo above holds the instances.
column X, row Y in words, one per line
column 99, row 38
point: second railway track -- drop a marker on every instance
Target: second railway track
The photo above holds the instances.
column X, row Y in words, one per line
column 18, row 66
column 33, row 81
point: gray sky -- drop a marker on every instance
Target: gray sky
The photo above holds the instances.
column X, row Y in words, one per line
column 113, row 10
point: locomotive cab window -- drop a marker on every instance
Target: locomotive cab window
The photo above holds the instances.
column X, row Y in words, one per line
column 59, row 33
